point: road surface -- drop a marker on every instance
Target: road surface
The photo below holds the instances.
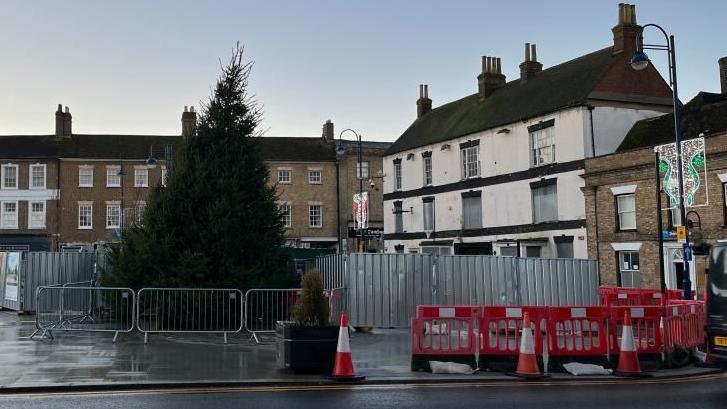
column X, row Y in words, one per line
column 700, row 392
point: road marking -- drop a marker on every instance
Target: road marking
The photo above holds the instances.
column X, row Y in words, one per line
column 329, row 387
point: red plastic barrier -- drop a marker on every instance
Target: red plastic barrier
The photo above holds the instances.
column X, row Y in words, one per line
column 500, row 329
column 684, row 324
column 444, row 330
column 619, row 296
column 578, row 331
column 646, row 325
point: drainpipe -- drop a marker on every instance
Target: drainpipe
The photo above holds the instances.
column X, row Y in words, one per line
column 593, row 137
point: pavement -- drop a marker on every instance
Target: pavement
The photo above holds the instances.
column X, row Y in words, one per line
column 79, row 360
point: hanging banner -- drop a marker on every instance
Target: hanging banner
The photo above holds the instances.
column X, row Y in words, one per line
column 694, row 171
column 361, row 210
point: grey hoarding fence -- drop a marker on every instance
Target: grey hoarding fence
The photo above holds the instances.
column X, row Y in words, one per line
column 74, row 307
column 383, row 290
column 46, row 268
column 189, row 310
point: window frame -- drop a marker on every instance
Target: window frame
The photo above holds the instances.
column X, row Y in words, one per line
column 31, row 225
column 619, row 213
column 427, row 169
column 139, row 210
column 83, row 204
column 398, row 216
column 397, row 175
column 141, row 171
column 360, row 168
column 536, row 149
column 110, row 205
column 471, row 195
column 429, row 202
column 621, row 270
column 287, row 214
column 83, row 168
column 3, row 214
column 287, row 171
column 117, row 169
column 31, row 185
column 466, row 160
column 542, row 185
column 311, row 215
column 311, row 179
column 3, row 173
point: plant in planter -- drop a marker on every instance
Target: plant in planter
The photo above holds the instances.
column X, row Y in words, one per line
column 307, row 344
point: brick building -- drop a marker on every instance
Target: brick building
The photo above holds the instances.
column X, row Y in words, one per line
column 70, row 190
column 620, row 192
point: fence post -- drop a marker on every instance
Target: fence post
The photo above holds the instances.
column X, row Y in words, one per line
column 435, row 279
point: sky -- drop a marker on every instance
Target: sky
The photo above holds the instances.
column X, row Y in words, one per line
column 130, row 67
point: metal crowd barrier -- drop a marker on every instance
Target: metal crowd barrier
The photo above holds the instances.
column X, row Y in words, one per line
column 189, row 310
column 74, row 307
column 264, row 307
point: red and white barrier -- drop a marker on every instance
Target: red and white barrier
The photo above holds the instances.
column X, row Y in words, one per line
column 444, row 333
column 578, row 331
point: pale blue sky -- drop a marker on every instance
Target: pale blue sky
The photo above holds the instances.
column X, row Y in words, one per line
column 131, row 66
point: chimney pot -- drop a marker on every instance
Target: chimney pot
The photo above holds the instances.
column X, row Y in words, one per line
column 424, row 104
column 530, row 66
column 533, row 53
column 491, row 76
column 527, row 51
column 189, row 123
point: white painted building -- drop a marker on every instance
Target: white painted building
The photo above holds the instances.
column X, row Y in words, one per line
column 500, row 171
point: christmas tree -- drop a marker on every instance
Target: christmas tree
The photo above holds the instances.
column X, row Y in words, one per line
column 216, row 223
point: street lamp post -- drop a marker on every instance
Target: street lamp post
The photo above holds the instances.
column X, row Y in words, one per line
column 639, row 62
column 359, row 169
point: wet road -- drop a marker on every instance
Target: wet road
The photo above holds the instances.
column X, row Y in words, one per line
column 705, row 392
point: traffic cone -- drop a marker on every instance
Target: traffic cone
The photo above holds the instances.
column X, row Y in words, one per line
column 628, row 357
column 343, row 367
column 527, row 363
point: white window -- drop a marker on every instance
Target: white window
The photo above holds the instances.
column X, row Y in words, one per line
column 315, row 215
column 286, row 214
column 629, row 271
column 9, row 176
column 85, row 215
column 113, row 176
column 397, row 175
column 314, row 176
column 141, row 176
column 362, row 169
column 542, row 142
column 36, row 215
column 285, row 176
column 9, row 215
column 470, row 162
column 139, row 210
column 545, row 203
column 85, row 176
column 164, row 176
column 626, row 210
column 427, row 160
column 37, row 176
column 113, row 215
column 428, row 207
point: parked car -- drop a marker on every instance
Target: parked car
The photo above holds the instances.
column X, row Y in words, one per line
column 717, row 303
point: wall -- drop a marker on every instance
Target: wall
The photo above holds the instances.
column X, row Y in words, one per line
column 98, row 194
column 300, row 192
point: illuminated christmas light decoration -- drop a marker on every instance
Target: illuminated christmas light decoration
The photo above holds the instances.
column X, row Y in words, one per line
column 694, row 169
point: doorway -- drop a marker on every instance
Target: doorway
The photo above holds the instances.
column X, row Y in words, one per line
column 674, row 268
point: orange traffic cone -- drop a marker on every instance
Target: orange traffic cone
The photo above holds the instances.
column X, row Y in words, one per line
column 343, row 367
column 527, row 363
column 628, row 357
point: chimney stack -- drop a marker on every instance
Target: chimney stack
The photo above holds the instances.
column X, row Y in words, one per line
column 491, row 77
column 328, row 131
column 723, row 74
column 627, row 32
column 530, row 66
column 189, row 122
column 424, row 104
column 63, row 122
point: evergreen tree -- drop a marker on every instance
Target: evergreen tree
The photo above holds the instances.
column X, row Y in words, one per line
column 216, row 223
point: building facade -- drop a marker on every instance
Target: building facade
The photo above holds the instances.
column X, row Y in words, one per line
column 621, row 205
column 500, row 171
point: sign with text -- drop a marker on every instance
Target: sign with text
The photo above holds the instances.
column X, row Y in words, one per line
column 681, row 234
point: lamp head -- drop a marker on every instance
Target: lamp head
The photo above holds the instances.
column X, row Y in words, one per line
column 639, row 61
column 151, row 160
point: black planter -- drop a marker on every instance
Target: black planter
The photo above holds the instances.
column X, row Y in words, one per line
column 305, row 349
